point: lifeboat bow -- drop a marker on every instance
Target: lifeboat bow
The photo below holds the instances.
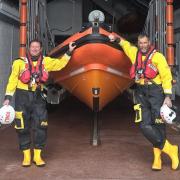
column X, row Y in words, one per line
column 97, row 71
column 97, row 67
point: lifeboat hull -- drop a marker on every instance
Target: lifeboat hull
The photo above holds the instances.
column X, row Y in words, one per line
column 96, row 64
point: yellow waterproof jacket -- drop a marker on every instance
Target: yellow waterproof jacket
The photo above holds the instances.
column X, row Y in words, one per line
column 164, row 77
column 50, row 64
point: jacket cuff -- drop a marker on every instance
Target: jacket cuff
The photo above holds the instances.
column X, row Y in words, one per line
column 9, row 97
column 168, row 95
column 122, row 42
column 118, row 40
column 69, row 53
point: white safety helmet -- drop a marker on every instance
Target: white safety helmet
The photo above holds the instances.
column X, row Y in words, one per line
column 7, row 114
column 167, row 114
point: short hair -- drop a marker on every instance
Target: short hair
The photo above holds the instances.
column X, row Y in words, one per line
column 35, row 40
column 142, row 35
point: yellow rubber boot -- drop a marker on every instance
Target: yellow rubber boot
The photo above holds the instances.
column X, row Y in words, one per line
column 172, row 152
column 37, row 158
column 27, row 158
column 157, row 163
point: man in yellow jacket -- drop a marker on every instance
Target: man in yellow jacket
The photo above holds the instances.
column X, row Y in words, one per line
column 154, row 88
column 27, row 79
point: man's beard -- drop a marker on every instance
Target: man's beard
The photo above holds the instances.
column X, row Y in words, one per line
column 145, row 52
column 35, row 58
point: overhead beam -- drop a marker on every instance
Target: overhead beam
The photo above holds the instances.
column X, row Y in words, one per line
column 8, row 11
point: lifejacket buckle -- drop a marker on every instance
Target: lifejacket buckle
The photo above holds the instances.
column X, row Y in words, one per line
column 138, row 75
column 139, row 71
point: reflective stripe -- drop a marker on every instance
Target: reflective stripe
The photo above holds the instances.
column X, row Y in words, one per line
column 9, row 94
column 167, row 91
column 76, row 72
column 91, row 67
column 19, row 121
column 117, row 72
column 138, row 110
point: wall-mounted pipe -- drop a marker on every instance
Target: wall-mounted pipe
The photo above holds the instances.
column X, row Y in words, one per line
column 23, row 28
column 169, row 33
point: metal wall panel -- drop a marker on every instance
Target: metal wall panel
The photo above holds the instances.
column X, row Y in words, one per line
column 177, row 48
column 7, row 9
column 65, row 16
column 155, row 25
column 177, row 60
column 9, row 41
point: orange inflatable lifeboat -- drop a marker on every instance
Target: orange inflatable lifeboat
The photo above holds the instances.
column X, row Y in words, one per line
column 98, row 68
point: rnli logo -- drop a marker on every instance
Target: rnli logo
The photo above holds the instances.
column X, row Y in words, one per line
column 7, row 117
column 159, row 121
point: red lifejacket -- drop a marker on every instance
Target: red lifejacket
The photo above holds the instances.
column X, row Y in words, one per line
column 36, row 73
column 144, row 69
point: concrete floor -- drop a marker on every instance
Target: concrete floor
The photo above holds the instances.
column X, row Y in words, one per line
column 123, row 155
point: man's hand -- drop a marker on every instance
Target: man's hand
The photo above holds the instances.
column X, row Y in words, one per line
column 168, row 101
column 6, row 102
column 112, row 38
column 72, row 46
